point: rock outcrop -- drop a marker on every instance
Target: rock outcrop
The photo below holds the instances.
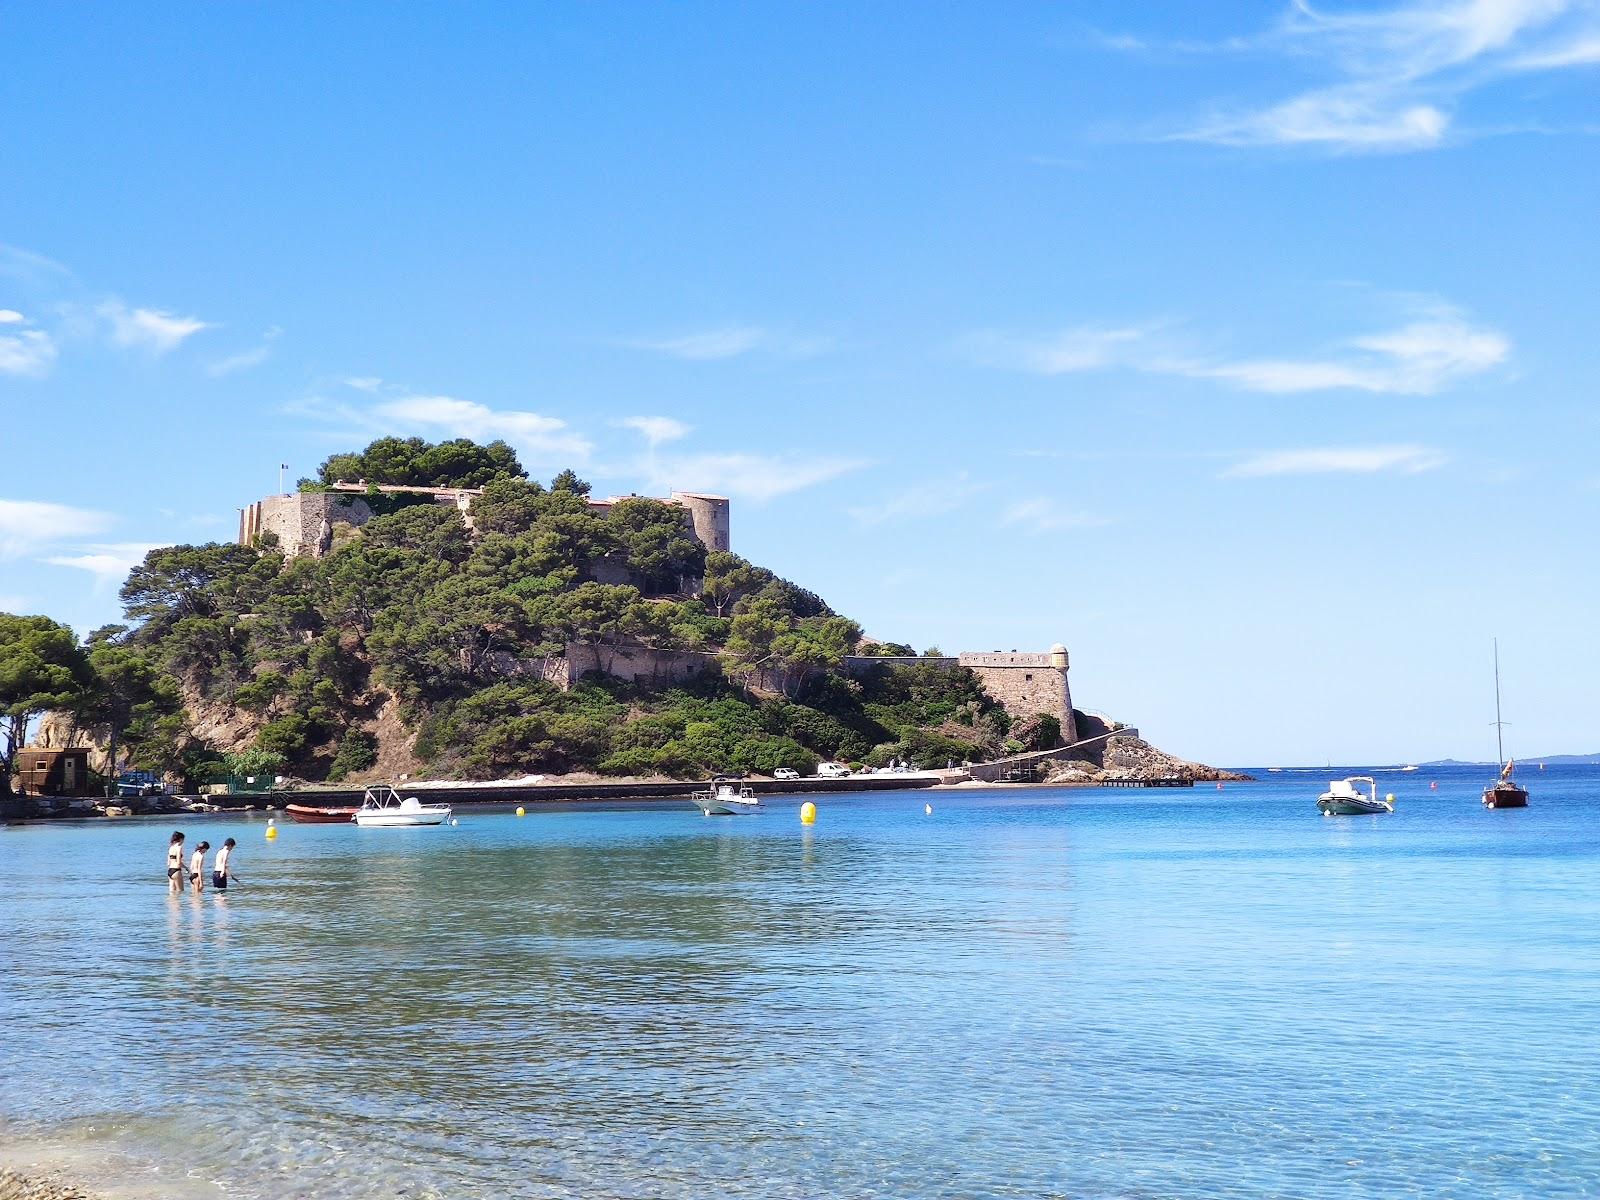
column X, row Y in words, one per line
column 1126, row 757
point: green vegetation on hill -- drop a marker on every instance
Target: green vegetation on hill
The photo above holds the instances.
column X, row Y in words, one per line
column 462, row 633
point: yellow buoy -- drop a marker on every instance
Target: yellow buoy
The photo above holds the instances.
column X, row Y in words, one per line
column 272, row 831
column 808, row 813
column 522, row 812
column 1390, row 799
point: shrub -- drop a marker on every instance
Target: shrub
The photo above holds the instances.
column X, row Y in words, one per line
column 357, row 752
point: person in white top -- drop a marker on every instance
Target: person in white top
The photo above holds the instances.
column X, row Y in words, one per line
column 197, row 867
column 175, row 862
column 222, row 871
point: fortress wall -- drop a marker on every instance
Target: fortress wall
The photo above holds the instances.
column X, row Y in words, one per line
column 633, row 663
column 302, row 521
column 298, row 518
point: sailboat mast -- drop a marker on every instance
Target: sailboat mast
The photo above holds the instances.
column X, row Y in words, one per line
column 1499, row 743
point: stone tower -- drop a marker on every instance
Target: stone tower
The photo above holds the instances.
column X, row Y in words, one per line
column 708, row 516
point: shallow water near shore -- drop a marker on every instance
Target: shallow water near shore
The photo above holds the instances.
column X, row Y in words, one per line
column 1027, row 993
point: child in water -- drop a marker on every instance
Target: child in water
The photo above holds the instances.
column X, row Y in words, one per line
column 174, row 861
column 197, row 867
column 223, row 870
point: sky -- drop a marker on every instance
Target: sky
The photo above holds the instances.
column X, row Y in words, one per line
column 1248, row 349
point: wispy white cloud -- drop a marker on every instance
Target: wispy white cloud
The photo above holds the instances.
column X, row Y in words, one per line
column 924, row 500
column 1400, row 72
column 28, row 525
column 534, row 435
column 24, row 351
column 109, row 562
column 245, row 359
column 1084, row 348
column 1339, row 460
column 364, row 383
column 31, row 268
column 148, row 329
column 732, row 341
column 1042, row 514
column 1415, row 360
column 759, row 477
column 1438, row 348
column 1581, row 52
column 656, row 430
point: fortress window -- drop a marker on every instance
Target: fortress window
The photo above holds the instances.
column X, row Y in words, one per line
column 1029, row 678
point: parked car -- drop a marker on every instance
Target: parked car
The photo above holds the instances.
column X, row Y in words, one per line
column 832, row 770
column 786, row 773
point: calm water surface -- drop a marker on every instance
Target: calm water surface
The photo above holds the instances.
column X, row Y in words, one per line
column 1040, row 993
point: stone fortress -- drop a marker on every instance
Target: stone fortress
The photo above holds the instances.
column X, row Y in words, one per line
column 1024, row 684
column 304, row 522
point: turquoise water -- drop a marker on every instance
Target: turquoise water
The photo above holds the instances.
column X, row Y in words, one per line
column 1027, row 993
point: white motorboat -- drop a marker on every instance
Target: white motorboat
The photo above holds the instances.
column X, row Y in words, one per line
column 725, row 799
column 1345, row 799
column 382, row 806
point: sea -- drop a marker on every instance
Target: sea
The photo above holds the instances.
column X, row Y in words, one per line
column 1022, row 993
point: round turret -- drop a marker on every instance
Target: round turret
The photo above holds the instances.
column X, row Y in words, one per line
column 1058, row 657
column 708, row 516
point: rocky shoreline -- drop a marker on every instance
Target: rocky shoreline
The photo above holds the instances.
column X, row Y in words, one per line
column 16, row 1186
column 1133, row 760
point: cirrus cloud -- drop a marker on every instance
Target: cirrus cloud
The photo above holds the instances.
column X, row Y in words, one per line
column 1439, row 347
column 759, row 477
column 732, row 341
column 1339, row 460
column 539, row 437
column 28, row 525
column 109, row 563
column 149, row 329
column 1401, row 72
column 655, row 430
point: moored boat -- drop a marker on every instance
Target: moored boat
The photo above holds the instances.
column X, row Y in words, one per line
column 309, row 814
column 1504, row 792
column 1345, row 799
column 381, row 806
column 725, row 798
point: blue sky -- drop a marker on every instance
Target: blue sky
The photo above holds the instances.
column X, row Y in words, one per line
column 1249, row 350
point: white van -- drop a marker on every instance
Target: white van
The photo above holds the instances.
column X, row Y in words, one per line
column 832, row 770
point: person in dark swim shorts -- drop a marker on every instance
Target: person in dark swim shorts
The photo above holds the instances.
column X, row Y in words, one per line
column 222, row 871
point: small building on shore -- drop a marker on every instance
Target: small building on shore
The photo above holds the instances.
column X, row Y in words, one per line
column 55, row 771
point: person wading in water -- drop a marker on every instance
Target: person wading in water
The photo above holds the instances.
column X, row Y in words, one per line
column 175, row 862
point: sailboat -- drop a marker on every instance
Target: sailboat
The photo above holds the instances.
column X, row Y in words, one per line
column 1505, row 792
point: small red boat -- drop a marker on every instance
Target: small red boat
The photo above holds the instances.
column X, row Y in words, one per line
column 308, row 814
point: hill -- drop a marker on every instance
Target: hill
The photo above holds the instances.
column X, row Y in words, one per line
column 548, row 637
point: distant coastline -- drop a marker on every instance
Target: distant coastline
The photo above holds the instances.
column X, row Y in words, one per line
column 1552, row 760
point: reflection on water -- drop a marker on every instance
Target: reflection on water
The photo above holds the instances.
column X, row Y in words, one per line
column 1022, row 994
